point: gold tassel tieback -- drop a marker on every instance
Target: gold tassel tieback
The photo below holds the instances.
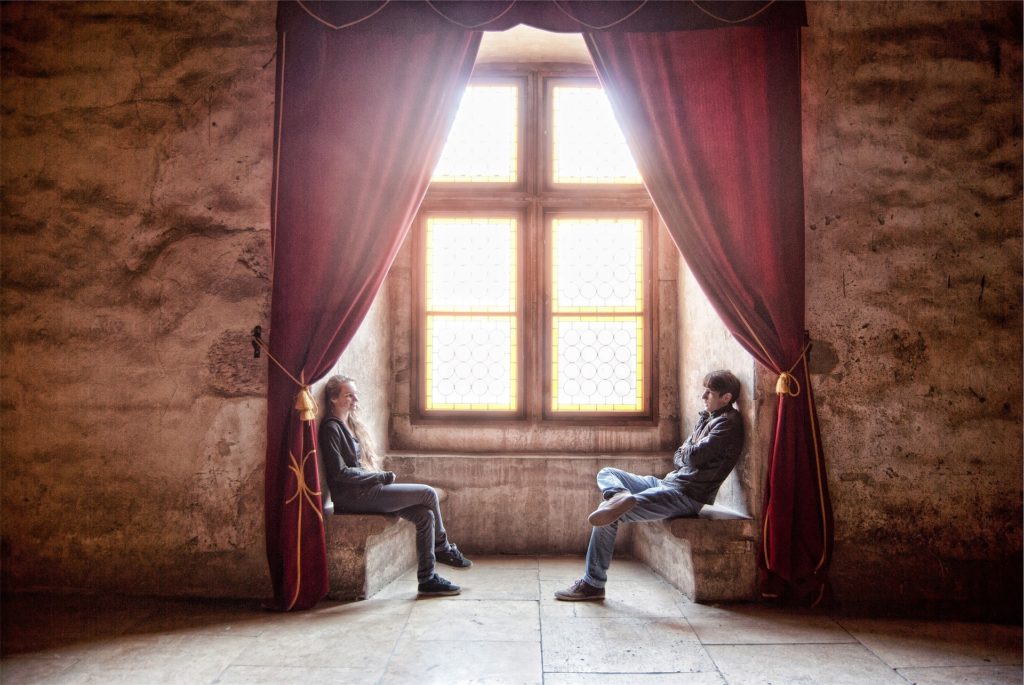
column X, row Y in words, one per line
column 785, row 385
column 306, row 405
column 304, row 402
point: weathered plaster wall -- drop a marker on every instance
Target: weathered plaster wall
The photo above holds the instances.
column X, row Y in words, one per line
column 513, row 503
column 136, row 171
column 912, row 149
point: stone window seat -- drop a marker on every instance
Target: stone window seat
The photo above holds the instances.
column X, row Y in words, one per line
column 514, row 503
column 708, row 558
column 366, row 552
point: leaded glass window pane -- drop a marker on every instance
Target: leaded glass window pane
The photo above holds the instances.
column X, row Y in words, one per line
column 471, row 337
column 597, row 314
column 597, row 364
column 471, row 363
column 471, row 264
column 597, row 265
column 483, row 144
column 587, row 143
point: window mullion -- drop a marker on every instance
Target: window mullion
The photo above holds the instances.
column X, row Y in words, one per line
column 533, row 309
column 534, row 199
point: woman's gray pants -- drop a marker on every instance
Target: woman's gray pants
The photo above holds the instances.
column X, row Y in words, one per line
column 413, row 502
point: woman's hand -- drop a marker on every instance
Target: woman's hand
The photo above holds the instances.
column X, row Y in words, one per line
column 388, row 477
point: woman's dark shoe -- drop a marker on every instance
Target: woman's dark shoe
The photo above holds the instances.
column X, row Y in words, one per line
column 452, row 557
column 436, row 586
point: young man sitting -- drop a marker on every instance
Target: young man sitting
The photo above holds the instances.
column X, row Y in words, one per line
column 702, row 463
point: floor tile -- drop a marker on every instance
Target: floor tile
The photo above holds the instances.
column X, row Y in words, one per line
column 501, row 563
column 650, row 599
column 570, row 568
column 496, row 620
column 906, row 644
column 551, row 607
column 709, row 678
column 60, row 624
column 835, row 664
column 563, row 569
column 440, row 661
column 622, row 645
column 207, row 617
column 358, row 635
column 476, row 584
column 760, row 624
column 158, row 659
column 505, row 562
column 276, row 675
column 31, row 670
column 964, row 675
column 403, row 588
column 506, row 627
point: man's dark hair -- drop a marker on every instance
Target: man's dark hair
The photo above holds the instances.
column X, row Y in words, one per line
column 723, row 381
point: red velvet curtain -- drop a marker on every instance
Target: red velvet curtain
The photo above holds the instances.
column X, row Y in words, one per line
column 713, row 120
column 361, row 119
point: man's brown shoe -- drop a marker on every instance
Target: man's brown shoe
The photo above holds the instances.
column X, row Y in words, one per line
column 612, row 508
column 581, row 591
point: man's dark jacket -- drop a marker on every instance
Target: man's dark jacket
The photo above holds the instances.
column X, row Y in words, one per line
column 709, row 454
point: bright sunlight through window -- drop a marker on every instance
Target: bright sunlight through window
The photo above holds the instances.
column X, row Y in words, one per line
column 588, row 144
column 483, row 144
column 563, row 328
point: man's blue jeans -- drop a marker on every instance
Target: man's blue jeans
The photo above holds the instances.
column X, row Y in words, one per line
column 655, row 500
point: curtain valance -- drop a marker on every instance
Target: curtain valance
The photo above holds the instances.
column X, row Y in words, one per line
column 561, row 16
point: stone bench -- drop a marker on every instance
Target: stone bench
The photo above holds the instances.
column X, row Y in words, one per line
column 709, row 558
column 366, row 552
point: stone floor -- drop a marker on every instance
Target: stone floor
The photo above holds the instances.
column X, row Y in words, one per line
column 504, row 628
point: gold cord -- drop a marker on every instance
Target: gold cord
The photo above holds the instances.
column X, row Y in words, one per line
column 472, row 26
column 303, row 490
column 733, row 21
column 277, row 152
column 817, row 464
column 305, row 403
column 505, row 11
column 784, row 386
column 341, row 26
column 598, row 28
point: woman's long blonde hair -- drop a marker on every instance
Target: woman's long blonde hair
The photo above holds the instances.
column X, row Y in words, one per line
column 332, row 389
